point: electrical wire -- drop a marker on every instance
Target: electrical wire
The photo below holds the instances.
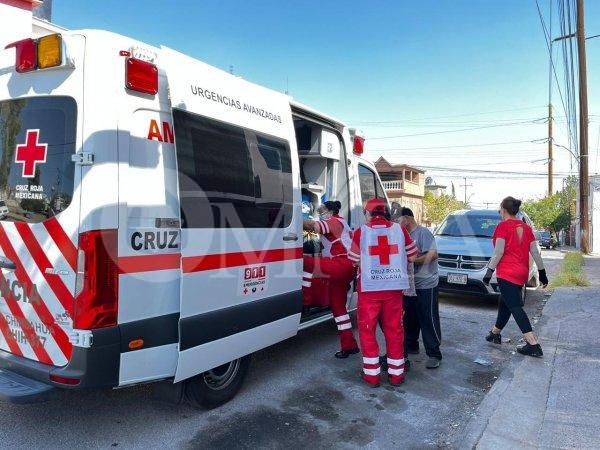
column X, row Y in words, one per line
column 535, row 141
column 447, row 117
column 459, row 130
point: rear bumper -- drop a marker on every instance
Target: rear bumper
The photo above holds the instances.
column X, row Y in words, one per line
column 25, row 381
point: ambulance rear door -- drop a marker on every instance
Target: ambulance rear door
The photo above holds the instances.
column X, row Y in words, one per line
column 41, row 122
column 241, row 231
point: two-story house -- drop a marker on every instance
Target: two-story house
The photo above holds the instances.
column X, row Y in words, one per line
column 403, row 184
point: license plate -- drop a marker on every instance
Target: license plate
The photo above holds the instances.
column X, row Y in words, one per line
column 457, row 278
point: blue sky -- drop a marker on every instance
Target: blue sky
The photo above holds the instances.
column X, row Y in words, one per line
column 422, row 65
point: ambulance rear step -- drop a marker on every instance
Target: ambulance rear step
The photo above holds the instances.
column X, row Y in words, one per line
column 16, row 388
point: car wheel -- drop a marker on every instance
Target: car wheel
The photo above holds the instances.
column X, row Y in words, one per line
column 219, row 385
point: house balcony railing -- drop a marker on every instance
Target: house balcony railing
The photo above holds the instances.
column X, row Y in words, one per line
column 393, row 185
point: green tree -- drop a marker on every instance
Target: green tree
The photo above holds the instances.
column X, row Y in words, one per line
column 437, row 208
column 554, row 212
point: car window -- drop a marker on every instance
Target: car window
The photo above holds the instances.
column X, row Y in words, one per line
column 468, row 225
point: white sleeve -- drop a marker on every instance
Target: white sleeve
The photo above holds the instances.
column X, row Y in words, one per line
column 498, row 252
column 535, row 253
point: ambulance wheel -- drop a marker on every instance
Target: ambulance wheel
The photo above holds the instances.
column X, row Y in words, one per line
column 219, row 385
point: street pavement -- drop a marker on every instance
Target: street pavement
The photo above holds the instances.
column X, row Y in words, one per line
column 550, row 403
column 297, row 396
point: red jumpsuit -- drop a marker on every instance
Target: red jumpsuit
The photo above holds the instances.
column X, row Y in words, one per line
column 382, row 251
column 334, row 266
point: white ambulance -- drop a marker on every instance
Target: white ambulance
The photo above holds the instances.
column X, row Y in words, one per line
column 154, row 222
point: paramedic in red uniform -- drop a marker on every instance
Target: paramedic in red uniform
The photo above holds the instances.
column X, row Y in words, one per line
column 383, row 250
column 334, row 265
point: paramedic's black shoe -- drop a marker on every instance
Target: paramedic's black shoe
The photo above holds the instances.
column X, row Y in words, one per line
column 343, row 354
column 432, row 363
column 406, row 365
column 531, row 350
column 495, row 338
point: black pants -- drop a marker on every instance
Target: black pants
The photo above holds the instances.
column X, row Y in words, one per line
column 510, row 303
column 422, row 314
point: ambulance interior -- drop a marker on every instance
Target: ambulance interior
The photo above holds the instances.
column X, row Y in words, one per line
column 324, row 176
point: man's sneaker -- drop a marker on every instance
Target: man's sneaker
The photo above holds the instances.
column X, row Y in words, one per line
column 493, row 337
column 531, row 350
column 433, row 363
column 343, row 354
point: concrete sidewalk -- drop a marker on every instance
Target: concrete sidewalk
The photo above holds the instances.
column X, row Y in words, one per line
column 553, row 402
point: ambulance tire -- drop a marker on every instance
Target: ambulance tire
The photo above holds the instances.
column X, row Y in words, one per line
column 217, row 386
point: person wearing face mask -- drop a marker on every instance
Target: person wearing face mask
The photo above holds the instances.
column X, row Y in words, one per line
column 514, row 241
column 335, row 267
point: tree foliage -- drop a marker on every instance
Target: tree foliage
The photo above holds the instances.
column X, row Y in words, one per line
column 437, row 208
column 554, row 212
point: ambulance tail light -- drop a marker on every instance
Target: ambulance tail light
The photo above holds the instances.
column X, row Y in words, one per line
column 359, row 145
column 141, row 76
column 96, row 301
column 25, row 55
column 42, row 53
column 358, row 141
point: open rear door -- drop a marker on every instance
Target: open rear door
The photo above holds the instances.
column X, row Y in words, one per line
column 241, row 236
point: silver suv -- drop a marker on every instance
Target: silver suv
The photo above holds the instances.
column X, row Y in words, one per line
column 464, row 243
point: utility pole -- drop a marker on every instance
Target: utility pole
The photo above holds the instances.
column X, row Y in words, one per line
column 550, row 143
column 466, row 186
column 583, row 132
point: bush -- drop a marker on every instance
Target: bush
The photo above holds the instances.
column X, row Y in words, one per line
column 571, row 271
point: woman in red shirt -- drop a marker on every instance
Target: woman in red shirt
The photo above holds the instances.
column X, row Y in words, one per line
column 514, row 241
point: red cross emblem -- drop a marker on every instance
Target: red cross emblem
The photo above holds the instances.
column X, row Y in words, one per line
column 383, row 249
column 31, row 153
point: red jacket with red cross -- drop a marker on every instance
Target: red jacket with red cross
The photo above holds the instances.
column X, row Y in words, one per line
column 383, row 252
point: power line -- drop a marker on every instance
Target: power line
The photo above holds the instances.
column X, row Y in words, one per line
column 548, row 40
column 497, row 172
column 451, row 116
column 457, row 131
column 456, row 146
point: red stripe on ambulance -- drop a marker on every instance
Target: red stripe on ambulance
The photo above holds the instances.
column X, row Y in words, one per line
column 10, row 340
column 62, row 241
column 149, row 263
column 30, row 335
column 63, row 294
column 192, row 264
column 59, row 335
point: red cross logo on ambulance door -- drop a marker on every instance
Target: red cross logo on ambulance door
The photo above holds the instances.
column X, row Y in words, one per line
column 383, row 249
column 31, row 153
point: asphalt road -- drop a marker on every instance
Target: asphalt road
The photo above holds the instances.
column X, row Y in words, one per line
column 296, row 396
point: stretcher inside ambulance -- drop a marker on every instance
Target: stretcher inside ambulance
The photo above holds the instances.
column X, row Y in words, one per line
column 151, row 221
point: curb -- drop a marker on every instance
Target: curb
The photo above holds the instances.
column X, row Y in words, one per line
column 493, row 400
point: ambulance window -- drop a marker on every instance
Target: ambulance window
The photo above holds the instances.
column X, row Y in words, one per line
column 37, row 139
column 368, row 189
column 342, row 186
column 230, row 177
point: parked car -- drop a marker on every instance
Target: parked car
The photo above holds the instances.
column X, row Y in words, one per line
column 3, row 210
column 464, row 243
column 547, row 240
